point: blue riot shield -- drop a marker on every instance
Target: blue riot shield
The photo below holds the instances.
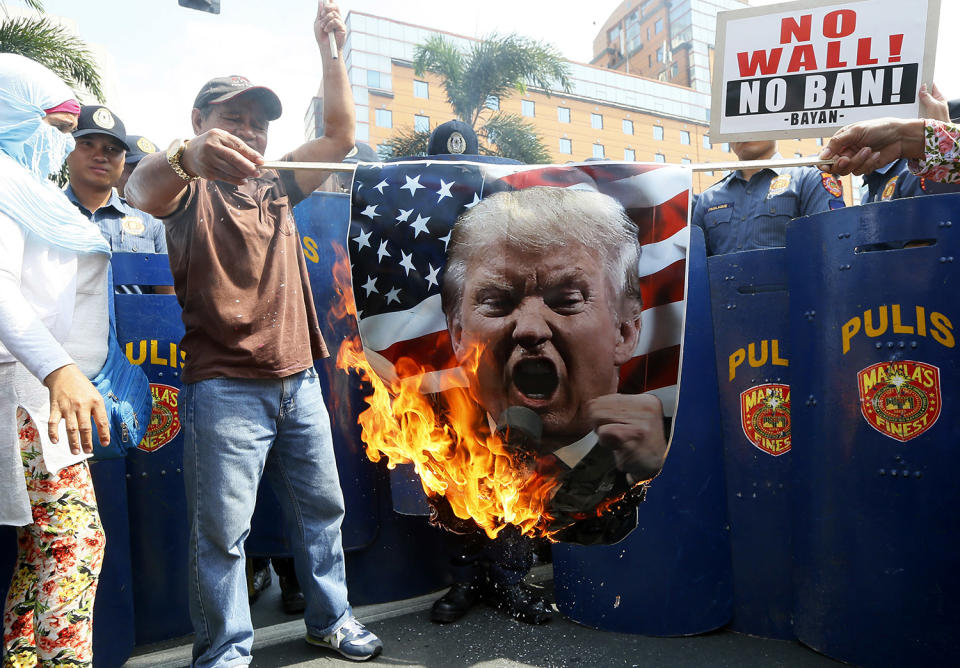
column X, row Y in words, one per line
column 671, row 576
column 149, row 328
column 749, row 299
column 873, row 299
column 389, row 557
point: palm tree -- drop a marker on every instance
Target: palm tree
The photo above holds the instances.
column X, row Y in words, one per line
column 42, row 40
column 494, row 67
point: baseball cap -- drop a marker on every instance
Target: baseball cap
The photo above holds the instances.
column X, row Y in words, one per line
column 96, row 119
column 222, row 89
column 140, row 147
column 453, row 137
column 362, row 152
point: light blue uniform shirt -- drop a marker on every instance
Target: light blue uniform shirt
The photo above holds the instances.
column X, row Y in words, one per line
column 128, row 230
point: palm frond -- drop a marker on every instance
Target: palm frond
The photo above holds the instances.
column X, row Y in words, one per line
column 39, row 39
column 405, row 142
column 441, row 57
column 512, row 137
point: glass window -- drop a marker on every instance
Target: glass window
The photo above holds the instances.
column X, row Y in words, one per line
column 648, row 33
column 658, row 132
column 726, row 147
column 527, row 108
column 798, row 155
column 598, row 151
column 421, row 123
column 685, row 137
column 659, row 157
column 674, row 70
column 629, row 154
column 685, row 161
column 627, row 126
column 613, row 35
column 596, row 121
column 565, row 146
column 373, row 79
column 661, row 53
column 384, row 118
column 706, row 142
column 649, row 60
column 363, row 132
column 563, row 114
column 421, row 89
column 819, row 141
column 493, row 102
column 658, row 26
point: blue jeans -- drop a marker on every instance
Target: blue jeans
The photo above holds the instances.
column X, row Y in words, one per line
column 234, row 431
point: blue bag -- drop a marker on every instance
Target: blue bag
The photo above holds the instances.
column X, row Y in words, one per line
column 126, row 396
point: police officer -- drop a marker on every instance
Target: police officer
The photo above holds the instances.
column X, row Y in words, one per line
column 96, row 165
column 140, row 146
column 749, row 208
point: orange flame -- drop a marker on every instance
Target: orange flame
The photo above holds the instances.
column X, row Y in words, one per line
column 445, row 440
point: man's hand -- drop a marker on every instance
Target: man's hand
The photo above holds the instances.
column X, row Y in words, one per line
column 632, row 426
column 218, row 155
column 328, row 20
column 862, row 147
column 74, row 399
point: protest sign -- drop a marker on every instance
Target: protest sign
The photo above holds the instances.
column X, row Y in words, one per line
column 804, row 69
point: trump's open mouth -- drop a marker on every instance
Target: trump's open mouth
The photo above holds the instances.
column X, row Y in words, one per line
column 536, row 378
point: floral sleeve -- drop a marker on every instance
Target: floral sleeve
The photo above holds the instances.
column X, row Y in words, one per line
column 941, row 158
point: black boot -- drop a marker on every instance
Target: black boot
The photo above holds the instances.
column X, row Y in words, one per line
column 291, row 597
column 520, row 601
column 455, row 603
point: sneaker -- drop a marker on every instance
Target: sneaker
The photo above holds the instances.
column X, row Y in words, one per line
column 352, row 640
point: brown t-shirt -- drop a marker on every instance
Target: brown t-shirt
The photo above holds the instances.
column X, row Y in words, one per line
column 241, row 280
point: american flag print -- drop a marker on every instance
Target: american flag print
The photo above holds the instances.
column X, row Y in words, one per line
column 402, row 215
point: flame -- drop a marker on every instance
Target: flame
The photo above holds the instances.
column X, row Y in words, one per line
column 444, row 438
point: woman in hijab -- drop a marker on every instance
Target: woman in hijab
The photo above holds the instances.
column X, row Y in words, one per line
column 53, row 336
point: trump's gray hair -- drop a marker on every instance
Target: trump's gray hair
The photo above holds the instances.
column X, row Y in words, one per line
column 543, row 220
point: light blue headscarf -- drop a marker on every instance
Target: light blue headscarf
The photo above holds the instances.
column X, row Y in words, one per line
column 31, row 150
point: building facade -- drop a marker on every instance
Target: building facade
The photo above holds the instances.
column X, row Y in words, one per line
column 608, row 113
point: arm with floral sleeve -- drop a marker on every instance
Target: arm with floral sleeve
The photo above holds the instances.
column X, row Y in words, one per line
column 941, row 152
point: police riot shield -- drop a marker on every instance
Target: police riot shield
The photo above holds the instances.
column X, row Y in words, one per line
column 748, row 292
column 149, row 329
column 873, row 302
column 670, row 576
column 389, row 557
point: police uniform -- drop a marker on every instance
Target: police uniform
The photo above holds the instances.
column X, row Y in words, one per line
column 737, row 214
column 127, row 229
column 895, row 181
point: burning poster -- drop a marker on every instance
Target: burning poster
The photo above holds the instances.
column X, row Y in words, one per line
column 521, row 328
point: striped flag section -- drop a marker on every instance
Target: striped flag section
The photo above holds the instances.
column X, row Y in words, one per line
column 402, row 215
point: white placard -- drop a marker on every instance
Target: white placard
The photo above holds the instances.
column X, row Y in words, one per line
column 806, row 68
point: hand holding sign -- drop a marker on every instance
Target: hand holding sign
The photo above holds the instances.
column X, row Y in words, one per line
column 863, row 147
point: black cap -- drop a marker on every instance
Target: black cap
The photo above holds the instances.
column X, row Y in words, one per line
column 98, row 120
column 140, row 147
column 954, row 106
column 362, row 152
column 221, row 89
column 453, row 137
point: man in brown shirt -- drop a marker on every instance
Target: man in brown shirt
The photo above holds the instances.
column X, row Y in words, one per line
column 251, row 400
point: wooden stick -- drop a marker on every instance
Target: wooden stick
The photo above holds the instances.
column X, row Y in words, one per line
column 698, row 167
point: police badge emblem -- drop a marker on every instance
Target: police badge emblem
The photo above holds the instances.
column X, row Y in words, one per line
column 900, row 399
column 146, row 145
column 456, row 143
column 779, row 185
column 103, row 118
column 888, row 189
column 765, row 417
column 831, row 184
column 132, row 225
column 165, row 419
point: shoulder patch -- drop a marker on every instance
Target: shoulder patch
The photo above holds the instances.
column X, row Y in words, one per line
column 717, row 207
column 779, row 185
column 831, row 184
column 888, row 189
